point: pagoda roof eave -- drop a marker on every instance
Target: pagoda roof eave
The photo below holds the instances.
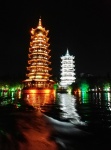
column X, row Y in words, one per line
column 38, row 80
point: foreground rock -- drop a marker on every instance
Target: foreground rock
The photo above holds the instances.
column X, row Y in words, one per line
column 28, row 130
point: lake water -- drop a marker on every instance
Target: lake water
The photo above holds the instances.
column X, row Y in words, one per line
column 80, row 121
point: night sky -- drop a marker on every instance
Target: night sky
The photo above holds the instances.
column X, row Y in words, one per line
column 84, row 27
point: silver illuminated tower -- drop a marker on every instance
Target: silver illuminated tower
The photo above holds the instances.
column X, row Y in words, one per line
column 67, row 70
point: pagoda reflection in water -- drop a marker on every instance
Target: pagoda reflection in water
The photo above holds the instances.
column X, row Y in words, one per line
column 37, row 100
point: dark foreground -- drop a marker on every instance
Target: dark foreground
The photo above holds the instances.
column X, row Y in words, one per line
column 24, row 130
column 29, row 129
column 72, row 137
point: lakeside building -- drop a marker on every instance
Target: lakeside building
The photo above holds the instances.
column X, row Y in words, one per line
column 38, row 69
column 67, row 70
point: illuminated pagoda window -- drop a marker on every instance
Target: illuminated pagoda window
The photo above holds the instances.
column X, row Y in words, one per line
column 38, row 69
column 67, row 70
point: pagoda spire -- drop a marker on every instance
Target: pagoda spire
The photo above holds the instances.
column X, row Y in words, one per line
column 67, row 52
column 40, row 23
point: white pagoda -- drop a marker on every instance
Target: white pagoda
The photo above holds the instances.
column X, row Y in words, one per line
column 67, row 70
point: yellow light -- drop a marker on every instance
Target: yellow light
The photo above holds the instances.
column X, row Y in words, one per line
column 32, row 91
column 47, row 91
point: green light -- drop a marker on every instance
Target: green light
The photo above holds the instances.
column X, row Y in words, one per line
column 84, row 97
column 12, row 89
column 106, row 86
column 55, row 86
column 84, row 87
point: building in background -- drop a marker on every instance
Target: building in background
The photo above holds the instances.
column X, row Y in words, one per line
column 38, row 69
column 67, row 70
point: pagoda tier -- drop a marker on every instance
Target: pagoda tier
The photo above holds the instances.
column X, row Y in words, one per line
column 37, row 49
column 67, row 70
column 38, row 69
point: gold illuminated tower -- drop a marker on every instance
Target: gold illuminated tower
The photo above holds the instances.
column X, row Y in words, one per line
column 38, row 69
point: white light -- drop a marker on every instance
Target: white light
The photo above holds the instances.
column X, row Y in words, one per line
column 67, row 70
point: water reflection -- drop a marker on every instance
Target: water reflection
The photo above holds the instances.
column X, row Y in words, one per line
column 95, row 110
column 66, row 111
column 80, row 108
column 61, row 107
column 39, row 100
column 102, row 99
column 67, row 105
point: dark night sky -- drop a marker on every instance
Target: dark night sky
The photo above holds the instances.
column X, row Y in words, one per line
column 84, row 27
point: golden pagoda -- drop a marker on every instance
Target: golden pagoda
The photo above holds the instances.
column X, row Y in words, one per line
column 38, row 69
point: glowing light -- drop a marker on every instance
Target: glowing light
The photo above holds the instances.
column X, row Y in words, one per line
column 68, row 108
column 47, row 91
column 67, row 70
column 84, row 87
column 38, row 58
column 32, row 91
column 84, row 97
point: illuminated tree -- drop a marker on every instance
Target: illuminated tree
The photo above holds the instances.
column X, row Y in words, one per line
column 84, row 86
